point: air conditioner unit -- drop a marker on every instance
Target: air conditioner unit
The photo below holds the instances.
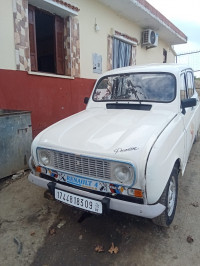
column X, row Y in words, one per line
column 149, row 38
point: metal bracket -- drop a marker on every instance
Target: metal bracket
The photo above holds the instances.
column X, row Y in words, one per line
column 106, row 205
column 51, row 187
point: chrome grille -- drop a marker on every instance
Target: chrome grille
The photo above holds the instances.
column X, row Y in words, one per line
column 80, row 165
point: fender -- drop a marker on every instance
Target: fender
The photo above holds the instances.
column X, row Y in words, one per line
column 169, row 147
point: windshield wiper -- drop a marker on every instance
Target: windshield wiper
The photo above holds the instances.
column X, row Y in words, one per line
column 130, row 106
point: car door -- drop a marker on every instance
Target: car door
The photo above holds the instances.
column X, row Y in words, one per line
column 189, row 117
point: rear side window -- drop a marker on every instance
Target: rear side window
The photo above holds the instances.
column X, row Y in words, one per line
column 183, row 87
column 190, row 84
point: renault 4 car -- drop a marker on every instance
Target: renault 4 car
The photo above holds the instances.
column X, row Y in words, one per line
column 127, row 150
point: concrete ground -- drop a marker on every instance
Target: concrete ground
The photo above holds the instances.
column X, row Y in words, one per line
column 38, row 231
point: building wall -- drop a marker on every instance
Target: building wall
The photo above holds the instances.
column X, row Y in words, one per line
column 53, row 98
column 21, row 35
column 154, row 55
column 7, row 49
column 49, row 99
column 15, row 16
column 171, row 55
column 92, row 41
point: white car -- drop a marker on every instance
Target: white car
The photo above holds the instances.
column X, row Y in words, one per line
column 126, row 150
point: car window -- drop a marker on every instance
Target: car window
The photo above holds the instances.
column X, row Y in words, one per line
column 150, row 87
column 183, row 87
column 190, row 84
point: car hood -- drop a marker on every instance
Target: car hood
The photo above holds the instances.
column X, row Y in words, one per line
column 115, row 134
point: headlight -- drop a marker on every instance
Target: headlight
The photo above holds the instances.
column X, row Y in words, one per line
column 44, row 157
column 123, row 173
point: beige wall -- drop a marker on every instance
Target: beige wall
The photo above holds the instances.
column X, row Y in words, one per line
column 91, row 11
column 171, row 56
column 154, row 55
column 7, row 48
column 96, row 42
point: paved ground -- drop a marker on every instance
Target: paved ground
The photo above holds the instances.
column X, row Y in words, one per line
column 32, row 220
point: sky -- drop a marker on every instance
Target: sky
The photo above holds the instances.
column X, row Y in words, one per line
column 185, row 15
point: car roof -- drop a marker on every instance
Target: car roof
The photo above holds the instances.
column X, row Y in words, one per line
column 171, row 68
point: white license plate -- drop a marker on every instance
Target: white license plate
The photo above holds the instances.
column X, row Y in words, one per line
column 79, row 201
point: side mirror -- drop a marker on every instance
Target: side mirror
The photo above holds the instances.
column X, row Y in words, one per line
column 86, row 100
column 188, row 103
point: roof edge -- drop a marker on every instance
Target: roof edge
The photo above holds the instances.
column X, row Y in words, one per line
column 67, row 4
column 148, row 8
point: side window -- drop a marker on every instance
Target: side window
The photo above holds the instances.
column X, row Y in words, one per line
column 190, row 84
column 183, row 87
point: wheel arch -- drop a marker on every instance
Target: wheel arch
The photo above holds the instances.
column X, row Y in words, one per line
column 155, row 184
column 169, row 199
column 178, row 165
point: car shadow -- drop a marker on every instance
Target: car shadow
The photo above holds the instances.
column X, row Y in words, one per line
column 82, row 234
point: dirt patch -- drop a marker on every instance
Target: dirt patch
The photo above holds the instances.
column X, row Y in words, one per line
column 25, row 219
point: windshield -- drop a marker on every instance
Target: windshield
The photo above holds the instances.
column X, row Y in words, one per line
column 150, row 87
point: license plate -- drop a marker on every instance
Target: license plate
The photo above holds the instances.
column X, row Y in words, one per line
column 79, row 201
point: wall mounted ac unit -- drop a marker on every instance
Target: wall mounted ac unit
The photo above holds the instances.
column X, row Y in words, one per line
column 149, row 38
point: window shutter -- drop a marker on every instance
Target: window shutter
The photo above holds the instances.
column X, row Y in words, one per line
column 59, row 45
column 32, row 38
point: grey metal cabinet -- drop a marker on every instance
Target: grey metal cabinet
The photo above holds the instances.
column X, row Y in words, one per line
column 15, row 141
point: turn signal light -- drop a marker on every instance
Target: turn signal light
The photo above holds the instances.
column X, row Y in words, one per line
column 138, row 193
column 38, row 169
column 135, row 193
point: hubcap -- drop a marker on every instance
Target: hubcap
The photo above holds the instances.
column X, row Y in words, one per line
column 171, row 196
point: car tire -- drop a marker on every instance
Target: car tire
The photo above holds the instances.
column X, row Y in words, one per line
column 169, row 200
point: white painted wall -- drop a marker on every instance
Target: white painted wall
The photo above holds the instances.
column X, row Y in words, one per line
column 96, row 42
column 7, row 47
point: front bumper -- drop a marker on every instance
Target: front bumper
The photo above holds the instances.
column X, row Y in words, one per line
column 147, row 211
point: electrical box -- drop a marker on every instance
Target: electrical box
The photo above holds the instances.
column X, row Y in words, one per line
column 15, row 141
column 97, row 63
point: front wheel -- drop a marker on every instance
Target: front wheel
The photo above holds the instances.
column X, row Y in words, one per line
column 169, row 200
